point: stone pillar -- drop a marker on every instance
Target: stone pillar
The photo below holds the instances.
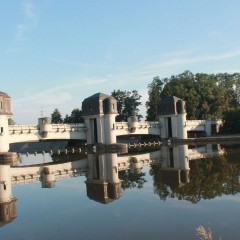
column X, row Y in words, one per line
column 5, row 114
column 182, row 130
column 4, row 139
column 109, row 126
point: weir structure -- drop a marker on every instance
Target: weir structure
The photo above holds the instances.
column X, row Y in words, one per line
column 99, row 127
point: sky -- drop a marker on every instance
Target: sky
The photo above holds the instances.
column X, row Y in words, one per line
column 56, row 53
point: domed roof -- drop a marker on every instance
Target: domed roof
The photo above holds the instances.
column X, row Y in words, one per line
column 4, row 94
column 98, row 96
column 5, row 104
column 99, row 103
column 171, row 105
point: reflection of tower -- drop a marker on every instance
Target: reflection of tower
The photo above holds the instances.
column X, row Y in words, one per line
column 135, row 165
column 175, row 167
column 47, row 178
column 103, row 184
column 7, row 201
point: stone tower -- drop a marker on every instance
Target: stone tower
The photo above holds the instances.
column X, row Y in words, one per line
column 172, row 117
column 99, row 112
column 5, row 114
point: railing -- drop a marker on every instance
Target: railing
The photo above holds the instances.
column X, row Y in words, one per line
column 68, row 127
column 195, row 122
column 124, row 125
column 22, row 129
column 14, row 129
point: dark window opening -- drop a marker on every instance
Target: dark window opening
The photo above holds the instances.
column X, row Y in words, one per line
column 179, row 107
column 95, row 130
column 171, row 158
column 169, row 127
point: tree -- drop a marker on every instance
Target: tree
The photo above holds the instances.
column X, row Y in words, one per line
column 154, row 91
column 11, row 121
column 131, row 180
column 231, row 121
column 56, row 117
column 210, row 177
column 127, row 104
column 207, row 96
column 183, row 86
column 75, row 117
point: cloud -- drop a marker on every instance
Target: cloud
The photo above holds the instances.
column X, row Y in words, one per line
column 30, row 12
column 184, row 60
column 65, row 97
column 30, row 21
column 75, row 89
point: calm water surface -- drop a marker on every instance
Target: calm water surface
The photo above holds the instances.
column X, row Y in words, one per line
column 164, row 194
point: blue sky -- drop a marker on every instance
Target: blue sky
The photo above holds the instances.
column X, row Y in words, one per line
column 55, row 53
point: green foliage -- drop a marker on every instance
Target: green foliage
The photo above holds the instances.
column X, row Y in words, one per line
column 11, row 121
column 127, row 104
column 131, row 180
column 231, row 121
column 207, row 96
column 154, row 91
column 56, row 117
column 75, row 117
column 209, row 178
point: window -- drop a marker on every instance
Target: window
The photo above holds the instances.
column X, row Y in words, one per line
column 1, row 105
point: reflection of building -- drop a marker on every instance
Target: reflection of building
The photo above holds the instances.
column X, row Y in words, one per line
column 47, row 178
column 103, row 184
column 7, row 201
column 175, row 165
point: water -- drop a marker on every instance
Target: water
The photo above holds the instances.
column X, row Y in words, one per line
column 164, row 194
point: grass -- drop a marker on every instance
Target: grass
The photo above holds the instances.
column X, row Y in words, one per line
column 204, row 234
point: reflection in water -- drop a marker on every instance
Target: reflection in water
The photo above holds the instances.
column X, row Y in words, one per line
column 184, row 172
column 211, row 176
column 7, row 201
column 103, row 184
column 47, row 178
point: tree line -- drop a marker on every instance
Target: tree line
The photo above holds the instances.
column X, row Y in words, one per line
column 74, row 117
column 207, row 96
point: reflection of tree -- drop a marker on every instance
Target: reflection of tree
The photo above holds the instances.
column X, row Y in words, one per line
column 131, row 180
column 210, row 177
